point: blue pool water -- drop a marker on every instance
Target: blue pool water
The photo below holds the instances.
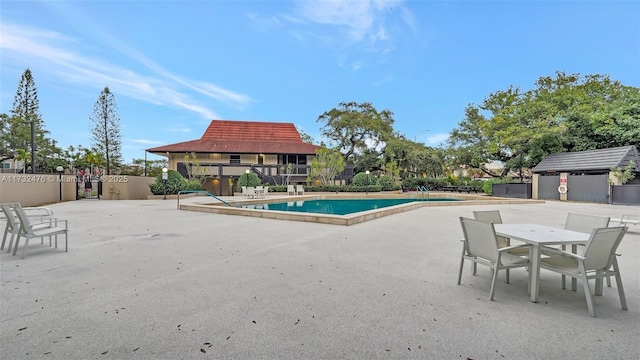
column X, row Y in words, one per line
column 336, row 206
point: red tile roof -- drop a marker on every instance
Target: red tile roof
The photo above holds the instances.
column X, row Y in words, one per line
column 244, row 137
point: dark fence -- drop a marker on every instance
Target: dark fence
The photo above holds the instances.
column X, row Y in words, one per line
column 628, row 194
column 512, row 190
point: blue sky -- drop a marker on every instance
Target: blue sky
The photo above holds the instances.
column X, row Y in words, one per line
column 174, row 66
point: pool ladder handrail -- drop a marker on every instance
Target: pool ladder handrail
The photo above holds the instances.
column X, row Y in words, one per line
column 201, row 192
column 422, row 190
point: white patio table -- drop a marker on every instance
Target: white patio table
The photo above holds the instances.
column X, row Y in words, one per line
column 539, row 235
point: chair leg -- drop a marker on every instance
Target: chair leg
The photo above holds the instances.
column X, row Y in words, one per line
column 461, row 264
column 16, row 235
column 4, row 238
column 24, row 249
column 623, row 299
column 587, row 291
column 15, row 246
column 493, row 282
column 507, row 276
column 608, row 281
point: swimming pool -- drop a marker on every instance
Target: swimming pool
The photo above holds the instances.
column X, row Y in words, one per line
column 265, row 209
column 336, row 206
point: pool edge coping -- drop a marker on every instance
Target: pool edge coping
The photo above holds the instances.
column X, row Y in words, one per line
column 349, row 219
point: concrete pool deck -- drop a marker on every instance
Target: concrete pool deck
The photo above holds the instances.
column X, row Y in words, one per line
column 143, row 280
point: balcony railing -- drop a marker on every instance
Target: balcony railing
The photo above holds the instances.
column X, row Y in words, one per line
column 265, row 172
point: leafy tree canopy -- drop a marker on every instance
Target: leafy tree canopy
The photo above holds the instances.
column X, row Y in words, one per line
column 562, row 113
column 353, row 127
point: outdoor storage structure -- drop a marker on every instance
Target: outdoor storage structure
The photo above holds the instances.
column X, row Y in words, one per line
column 586, row 176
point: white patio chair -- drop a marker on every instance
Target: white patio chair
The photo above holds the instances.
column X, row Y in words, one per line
column 585, row 224
column 291, row 190
column 251, row 192
column 597, row 261
column 12, row 227
column 259, row 192
column 300, row 189
column 493, row 216
column 627, row 220
column 244, row 192
column 42, row 216
column 28, row 230
column 265, row 191
column 480, row 245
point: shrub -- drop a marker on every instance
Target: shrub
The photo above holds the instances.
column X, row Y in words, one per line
column 192, row 184
column 487, row 185
column 248, row 179
column 363, row 179
column 386, row 183
column 175, row 183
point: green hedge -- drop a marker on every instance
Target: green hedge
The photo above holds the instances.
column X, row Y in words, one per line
column 175, row 183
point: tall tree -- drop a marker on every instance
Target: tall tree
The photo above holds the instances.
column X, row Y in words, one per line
column 105, row 129
column 326, row 165
column 24, row 129
column 562, row 113
column 354, row 127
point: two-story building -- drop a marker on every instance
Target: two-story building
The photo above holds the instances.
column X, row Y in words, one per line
column 227, row 149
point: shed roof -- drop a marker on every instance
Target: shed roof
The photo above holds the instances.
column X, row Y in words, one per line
column 244, row 137
column 590, row 160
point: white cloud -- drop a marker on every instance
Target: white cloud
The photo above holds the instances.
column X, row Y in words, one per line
column 55, row 53
column 437, row 139
column 182, row 130
column 361, row 20
column 361, row 30
column 146, row 141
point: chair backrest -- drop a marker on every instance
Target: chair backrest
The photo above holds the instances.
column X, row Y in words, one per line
column 585, row 223
column 300, row 188
column 480, row 238
column 291, row 188
column 251, row 190
column 601, row 248
column 490, row 216
column 7, row 210
column 25, row 223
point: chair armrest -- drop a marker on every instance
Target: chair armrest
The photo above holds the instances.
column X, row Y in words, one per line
column 52, row 222
column 511, row 247
column 553, row 251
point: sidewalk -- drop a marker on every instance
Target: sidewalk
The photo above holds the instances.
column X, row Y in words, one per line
column 143, row 280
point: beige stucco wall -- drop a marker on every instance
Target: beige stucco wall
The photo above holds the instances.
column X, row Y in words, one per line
column 124, row 187
column 29, row 189
column 34, row 190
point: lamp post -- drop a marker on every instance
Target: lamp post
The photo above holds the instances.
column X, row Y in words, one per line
column 367, row 189
column 165, row 177
column 246, row 177
column 60, row 169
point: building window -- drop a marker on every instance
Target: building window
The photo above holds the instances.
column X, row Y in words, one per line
column 6, row 165
column 234, row 159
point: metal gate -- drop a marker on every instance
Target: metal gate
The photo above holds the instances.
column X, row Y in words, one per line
column 88, row 187
column 591, row 188
column 548, row 187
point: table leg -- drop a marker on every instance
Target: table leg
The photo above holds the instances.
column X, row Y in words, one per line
column 574, row 281
column 535, row 272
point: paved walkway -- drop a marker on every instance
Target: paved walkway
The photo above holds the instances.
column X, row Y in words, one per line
column 143, row 280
